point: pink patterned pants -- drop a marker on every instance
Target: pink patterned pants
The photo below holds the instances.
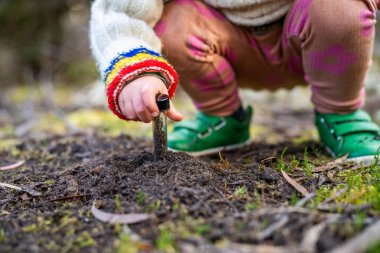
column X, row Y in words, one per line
column 326, row 44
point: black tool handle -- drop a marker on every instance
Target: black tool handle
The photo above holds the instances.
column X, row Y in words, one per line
column 163, row 102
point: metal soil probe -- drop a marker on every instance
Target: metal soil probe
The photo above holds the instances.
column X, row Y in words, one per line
column 160, row 126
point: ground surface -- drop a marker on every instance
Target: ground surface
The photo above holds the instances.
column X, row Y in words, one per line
column 80, row 160
column 196, row 205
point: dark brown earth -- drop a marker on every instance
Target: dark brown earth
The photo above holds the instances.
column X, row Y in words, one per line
column 238, row 197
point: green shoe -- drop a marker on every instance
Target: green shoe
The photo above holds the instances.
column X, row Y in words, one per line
column 206, row 134
column 354, row 134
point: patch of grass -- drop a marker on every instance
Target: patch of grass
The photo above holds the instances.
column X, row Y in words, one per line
column 363, row 186
column 308, row 167
column 176, row 206
column 84, row 240
column 203, row 229
column 359, row 220
column 165, row 241
column 125, row 244
column 30, row 228
column 374, row 248
column 294, row 199
column 117, row 203
column 224, row 161
column 281, row 164
column 154, row 206
column 140, row 198
column 250, row 206
column 240, row 192
column 3, row 236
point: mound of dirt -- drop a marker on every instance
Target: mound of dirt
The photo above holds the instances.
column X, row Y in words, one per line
column 239, row 196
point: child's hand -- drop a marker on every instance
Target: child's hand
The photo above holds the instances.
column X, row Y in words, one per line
column 137, row 100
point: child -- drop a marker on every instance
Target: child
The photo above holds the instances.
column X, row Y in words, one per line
column 217, row 46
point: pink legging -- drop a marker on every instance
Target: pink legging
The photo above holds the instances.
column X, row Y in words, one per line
column 327, row 44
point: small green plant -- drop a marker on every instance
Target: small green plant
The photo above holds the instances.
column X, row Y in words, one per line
column 225, row 162
column 294, row 199
column 140, row 198
column 203, row 229
column 165, row 241
column 308, row 167
column 258, row 198
column 281, row 165
column 176, row 206
column 154, row 206
column 240, row 192
column 250, row 206
column 374, row 248
column 125, row 243
column 85, row 240
column 3, row 236
column 359, row 220
column 117, row 202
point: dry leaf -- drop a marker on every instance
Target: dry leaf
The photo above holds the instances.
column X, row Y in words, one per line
column 11, row 186
column 330, row 165
column 12, row 166
column 113, row 218
column 24, row 189
column 296, row 185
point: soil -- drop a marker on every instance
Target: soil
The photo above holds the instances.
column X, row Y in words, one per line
column 236, row 197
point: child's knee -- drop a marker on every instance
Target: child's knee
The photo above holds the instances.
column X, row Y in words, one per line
column 172, row 27
column 343, row 19
column 181, row 38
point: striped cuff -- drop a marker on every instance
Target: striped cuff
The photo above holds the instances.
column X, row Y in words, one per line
column 130, row 64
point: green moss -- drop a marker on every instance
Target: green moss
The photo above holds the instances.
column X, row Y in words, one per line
column 84, row 240
column 140, row 198
column 125, row 244
column 374, row 248
column 3, row 236
column 30, row 228
column 250, row 206
column 203, row 229
column 240, row 192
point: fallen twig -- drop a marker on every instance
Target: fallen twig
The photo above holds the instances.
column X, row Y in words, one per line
column 362, row 242
column 22, row 189
column 330, row 165
column 266, row 233
column 69, row 197
column 12, row 166
column 10, row 186
column 296, row 185
column 335, row 196
column 113, row 218
column 310, row 239
column 345, row 208
column 303, row 201
column 244, row 248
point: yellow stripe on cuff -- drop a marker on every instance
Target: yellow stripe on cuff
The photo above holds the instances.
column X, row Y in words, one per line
column 129, row 61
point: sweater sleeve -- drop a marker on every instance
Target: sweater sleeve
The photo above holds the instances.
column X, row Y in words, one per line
column 125, row 45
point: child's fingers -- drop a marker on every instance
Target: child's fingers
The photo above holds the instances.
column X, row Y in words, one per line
column 141, row 111
column 174, row 114
column 128, row 110
column 148, row 98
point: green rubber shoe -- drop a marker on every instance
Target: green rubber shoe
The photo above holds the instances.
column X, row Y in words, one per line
column 354, row 134
column 205, row 134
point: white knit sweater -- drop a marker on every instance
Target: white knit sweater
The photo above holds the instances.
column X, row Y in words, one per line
column 124, row 43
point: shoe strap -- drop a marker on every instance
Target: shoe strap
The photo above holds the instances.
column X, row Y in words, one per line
column 193, row 125
column 201, row 124
column 352, row 127
column 358, row 115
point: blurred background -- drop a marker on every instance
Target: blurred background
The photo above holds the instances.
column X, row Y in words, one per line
column 49, row 83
